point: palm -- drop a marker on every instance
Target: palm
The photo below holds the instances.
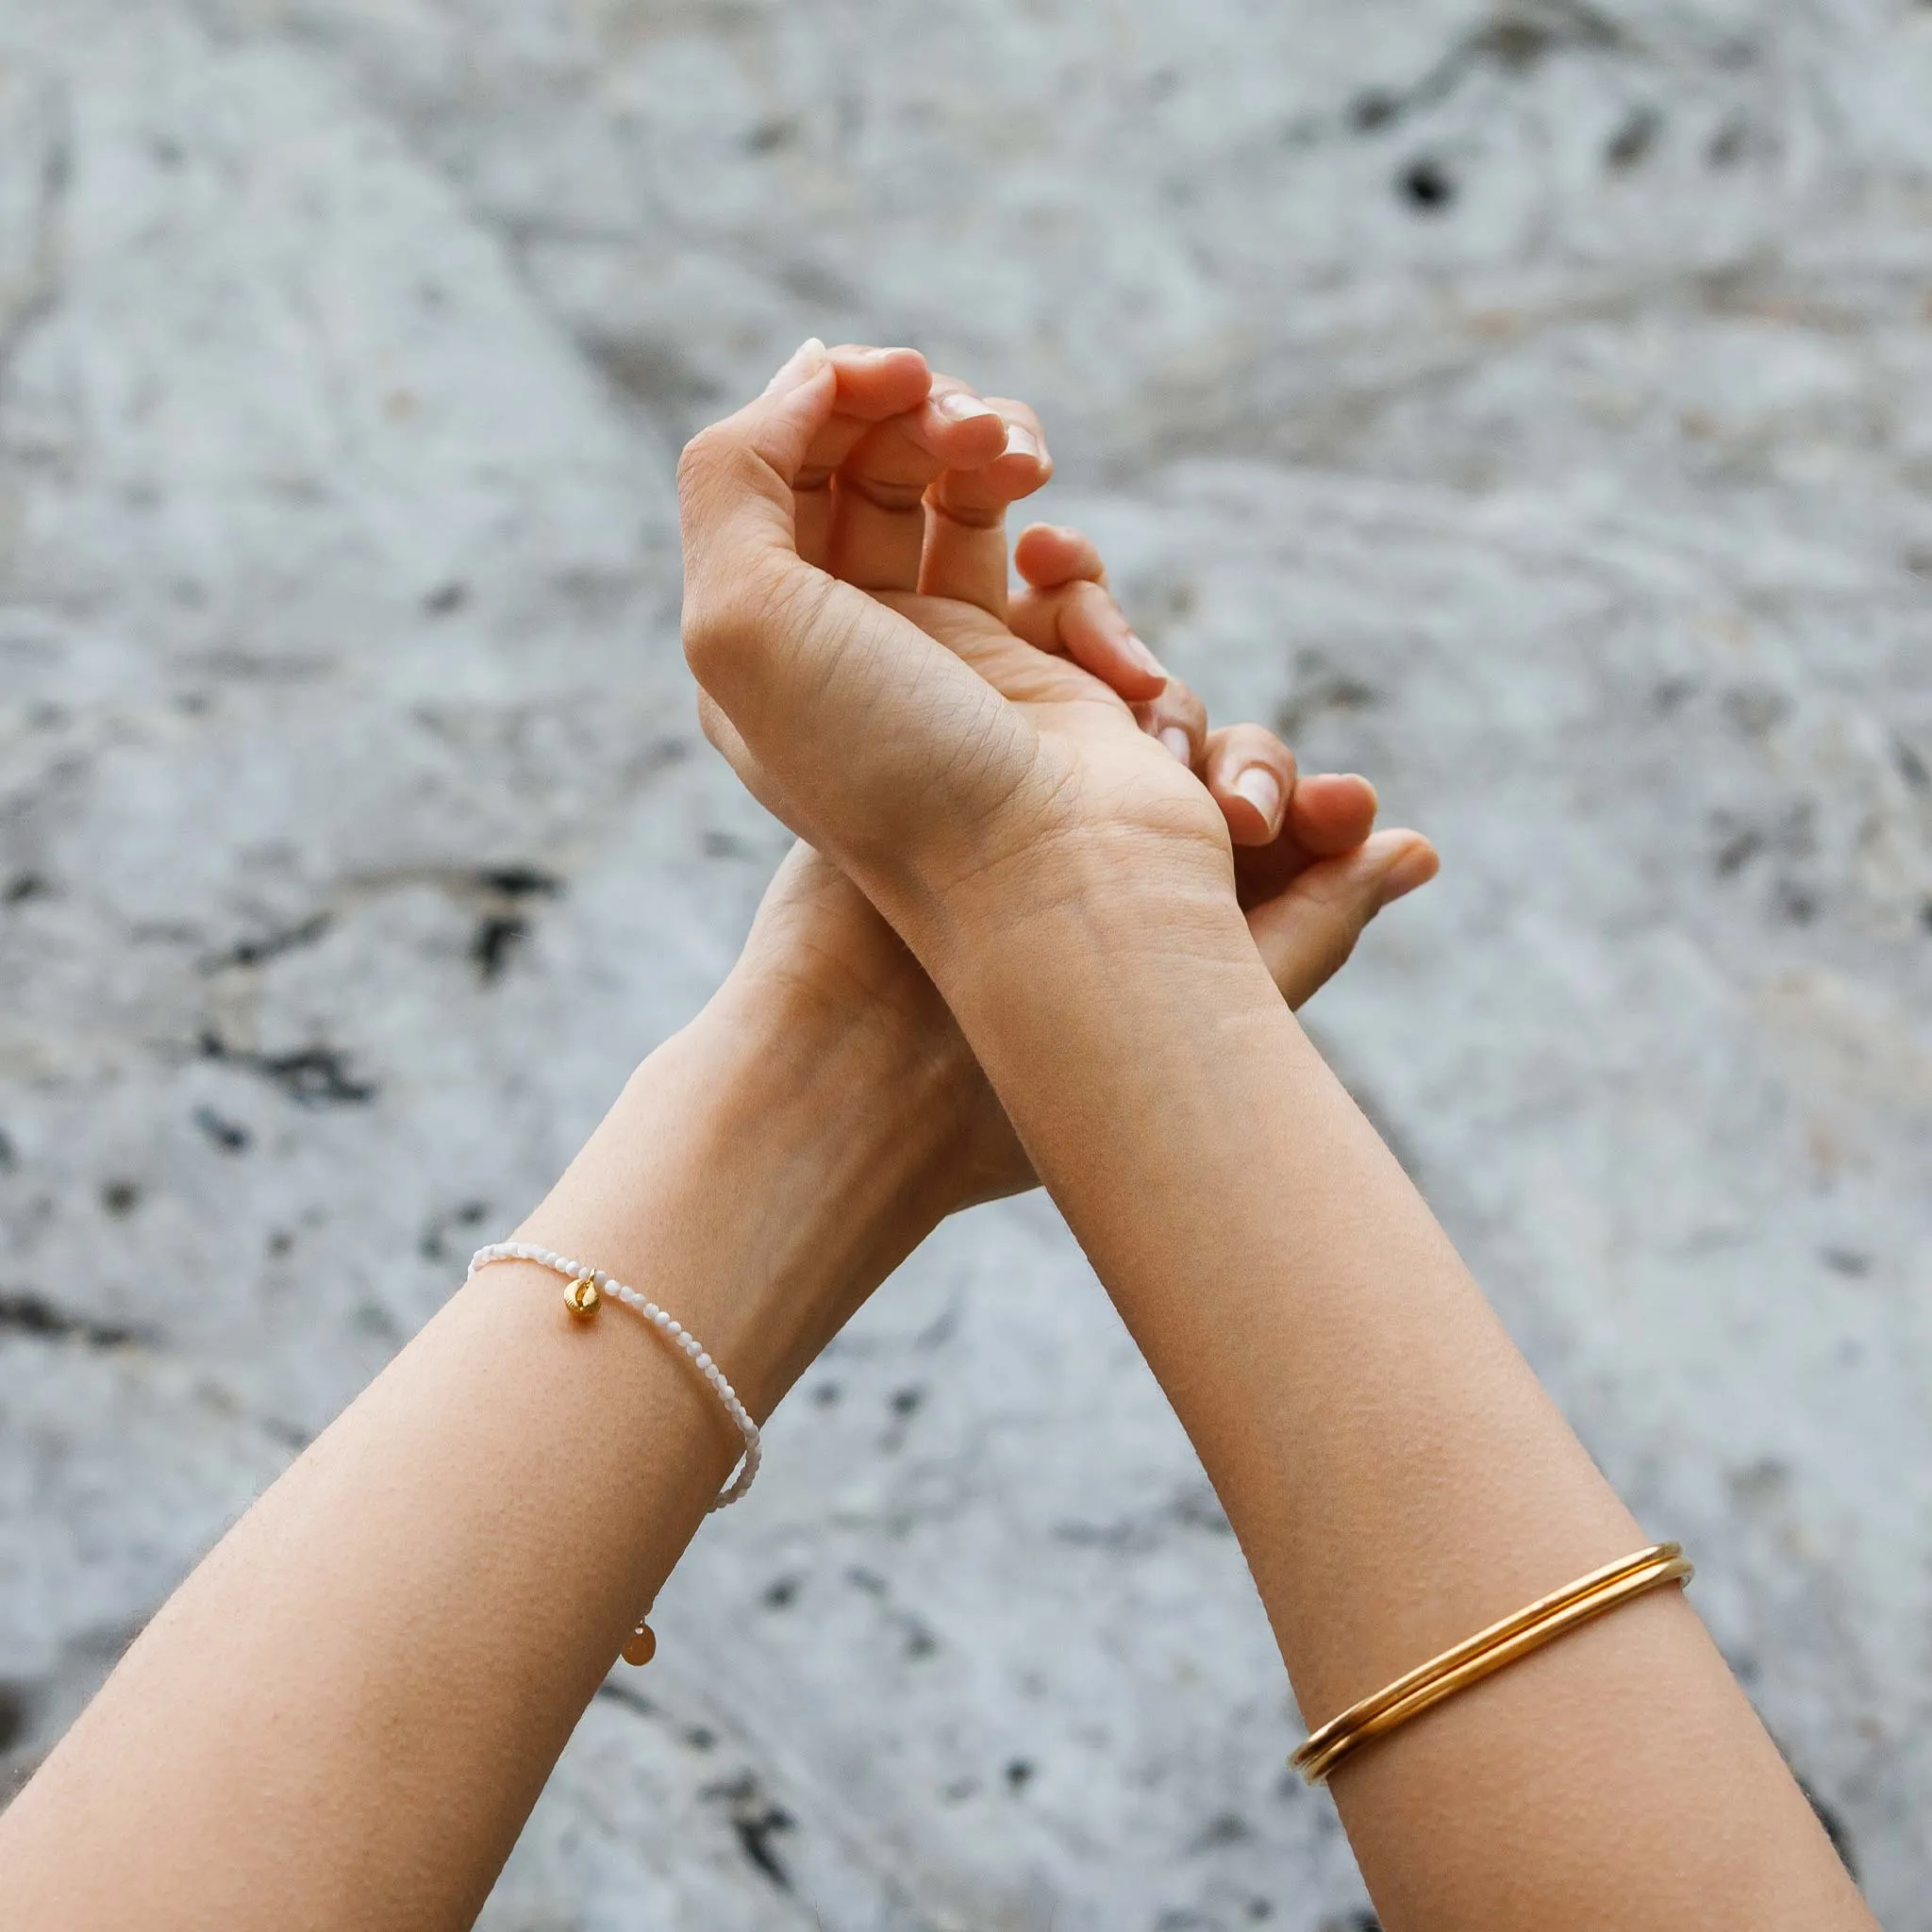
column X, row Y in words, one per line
column 1085, row 744
column 856, row 667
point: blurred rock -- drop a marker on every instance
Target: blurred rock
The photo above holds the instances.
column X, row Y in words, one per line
column 1530, row 405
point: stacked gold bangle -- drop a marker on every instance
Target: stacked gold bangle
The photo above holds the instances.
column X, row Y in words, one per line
column 1486, row 1653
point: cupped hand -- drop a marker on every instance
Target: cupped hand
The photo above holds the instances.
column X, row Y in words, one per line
column 884, row 709
column 907, row 486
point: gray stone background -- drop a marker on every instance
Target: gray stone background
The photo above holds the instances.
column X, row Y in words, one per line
column 1527, row 405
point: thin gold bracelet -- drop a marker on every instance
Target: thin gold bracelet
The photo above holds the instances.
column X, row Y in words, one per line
column 1487, row 1651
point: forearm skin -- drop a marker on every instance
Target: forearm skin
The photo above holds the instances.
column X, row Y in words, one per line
column 1397, row 1477
column 343, row 1717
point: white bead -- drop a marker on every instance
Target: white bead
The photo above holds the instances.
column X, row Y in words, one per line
column 661, row 1320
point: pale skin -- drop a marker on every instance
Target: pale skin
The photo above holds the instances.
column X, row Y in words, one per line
column 345, row 1715
column 1395, row 1473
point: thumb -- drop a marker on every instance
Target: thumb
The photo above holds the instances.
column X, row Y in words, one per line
column 1308, row 930
column 734, row 479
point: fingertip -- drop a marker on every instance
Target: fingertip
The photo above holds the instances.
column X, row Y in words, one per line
column 964, row 431
column 875, row 383
column 799, row 367
column 1050, row 555
column 1253, row 801
column 1333, row 812
column 1415, row 863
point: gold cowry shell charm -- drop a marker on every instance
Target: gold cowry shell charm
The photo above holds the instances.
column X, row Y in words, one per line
column 582, row 1299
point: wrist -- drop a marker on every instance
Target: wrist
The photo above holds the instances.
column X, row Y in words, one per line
column 1084, row 917
column 783, row 1155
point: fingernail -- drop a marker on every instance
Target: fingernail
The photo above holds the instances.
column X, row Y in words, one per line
column 870, row 354
column 1143, row 657
column 1177, row 741
column 1416, row 867
column 1262, row 789
column 1021, row 441
column 955, row 405
column 804, row 363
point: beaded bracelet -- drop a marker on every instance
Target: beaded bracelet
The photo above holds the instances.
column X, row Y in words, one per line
column 583, row 1297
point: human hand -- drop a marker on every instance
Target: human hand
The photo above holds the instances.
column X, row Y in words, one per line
column 865, row 686
column 922, row 483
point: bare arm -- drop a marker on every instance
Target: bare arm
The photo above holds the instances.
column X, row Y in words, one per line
column 1396, row 1476
column 345, row 1714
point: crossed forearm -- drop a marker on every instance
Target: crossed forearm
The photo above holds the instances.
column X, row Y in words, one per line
column 344, row 1716
column 1396, row 1476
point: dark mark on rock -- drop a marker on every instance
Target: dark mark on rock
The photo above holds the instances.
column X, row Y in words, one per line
column 445, row 599
column 616, row 1692
column 1514, row 45
column 756, row 1821
column 16, row 1712
column 1322, row 694
column 259, row 952
column 498, row 936
column 769, row 136
column 1428, row 186
column 1738, row 851
column 120, row 1198
column 1834, row 1827
column 1019, row 1773
column 286, row 1434
column 433, row 1244
column 24, row 886
column 230, row 1137
column 1227, row 1828
column 1633, row 140
column 781, row 1595
column 27, row 1314
column 310, row 1076
column 520, row 881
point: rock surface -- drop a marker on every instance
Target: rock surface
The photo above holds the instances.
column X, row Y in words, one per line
column 1529, row 405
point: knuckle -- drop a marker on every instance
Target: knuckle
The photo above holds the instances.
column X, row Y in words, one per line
column 716, row 626
column 697, row 459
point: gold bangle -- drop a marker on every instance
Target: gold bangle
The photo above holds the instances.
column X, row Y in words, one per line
column 1487, row 1651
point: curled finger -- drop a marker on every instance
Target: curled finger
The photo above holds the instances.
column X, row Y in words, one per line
column 1252, row 776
